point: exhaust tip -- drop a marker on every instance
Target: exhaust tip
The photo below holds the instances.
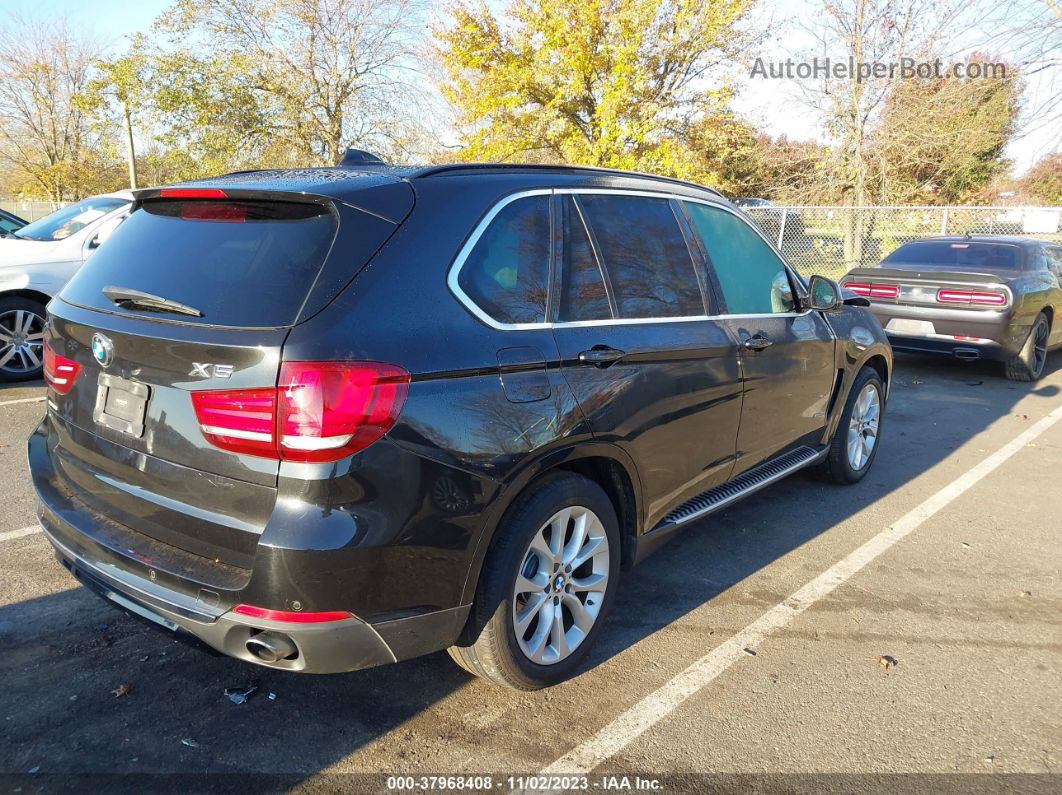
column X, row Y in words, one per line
column 272, row 647
column 967, row 354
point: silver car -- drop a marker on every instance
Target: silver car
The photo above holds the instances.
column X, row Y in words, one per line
column 35, row 262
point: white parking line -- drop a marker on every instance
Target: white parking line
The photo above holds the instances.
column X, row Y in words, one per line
column 25, row 531
column 23, row 400
column 657, row 705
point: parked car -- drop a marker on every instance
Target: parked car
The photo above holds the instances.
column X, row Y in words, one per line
column 753, row 201
column 35, row 262
column 9, row 222
column 972, row 297
column 351, row 416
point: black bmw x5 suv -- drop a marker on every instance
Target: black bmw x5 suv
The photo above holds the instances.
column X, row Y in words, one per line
column 332, row 418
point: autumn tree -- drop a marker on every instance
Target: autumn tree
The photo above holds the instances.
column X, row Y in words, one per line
column 1032, row 33
column 1043, row 182
column 48, row 140
column 883, row 32
column 618, row 83
column 199, row 113
column 245, row 83
column 942, row 140
column 789, row 171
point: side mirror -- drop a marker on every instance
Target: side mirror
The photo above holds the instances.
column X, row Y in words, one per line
column 825, row 294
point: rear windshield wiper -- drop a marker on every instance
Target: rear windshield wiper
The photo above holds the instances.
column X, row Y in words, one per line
column 126, row 296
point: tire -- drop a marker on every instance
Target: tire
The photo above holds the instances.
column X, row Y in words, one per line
column 1028, row 363
column 21, row 338
column 522, row 552
column 841, row 465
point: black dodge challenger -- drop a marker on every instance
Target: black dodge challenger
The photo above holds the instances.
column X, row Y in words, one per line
column 981, row 296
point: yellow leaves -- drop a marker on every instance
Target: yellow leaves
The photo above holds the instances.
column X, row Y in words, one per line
column 606, row 82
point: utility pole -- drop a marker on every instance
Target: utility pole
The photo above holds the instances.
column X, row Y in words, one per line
column 130, row 153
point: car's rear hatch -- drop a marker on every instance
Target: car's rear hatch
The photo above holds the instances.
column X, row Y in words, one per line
column 235, row 272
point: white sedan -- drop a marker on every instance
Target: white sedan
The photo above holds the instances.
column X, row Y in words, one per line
column 35, row 262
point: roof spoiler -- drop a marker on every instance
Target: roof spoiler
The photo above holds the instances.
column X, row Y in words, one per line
column 359, row 158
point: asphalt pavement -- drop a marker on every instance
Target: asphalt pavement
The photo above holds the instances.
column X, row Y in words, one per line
column 902, row 633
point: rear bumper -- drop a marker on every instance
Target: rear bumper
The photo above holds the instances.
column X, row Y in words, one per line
column 967, row 350
column 111, row 562
column 330, row 647
column 963, row 333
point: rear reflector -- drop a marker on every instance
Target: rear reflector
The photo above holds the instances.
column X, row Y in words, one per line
column 59, row 372
column 970, row 297
column 192, row 193
column 873, row 290
column 294, row 618
column 320, row 411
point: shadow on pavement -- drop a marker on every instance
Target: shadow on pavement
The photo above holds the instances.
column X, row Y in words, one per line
column 63, row 654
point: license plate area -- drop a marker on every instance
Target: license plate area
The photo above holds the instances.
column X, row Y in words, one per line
column 913, row 328
column 121, row 404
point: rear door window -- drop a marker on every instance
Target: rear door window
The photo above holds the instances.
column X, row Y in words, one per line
column 507, row 272
column 753, row 279
column 583, row 292
column 240, row 263
column 645, row 256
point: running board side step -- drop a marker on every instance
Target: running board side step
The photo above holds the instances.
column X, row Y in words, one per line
column 744, row 484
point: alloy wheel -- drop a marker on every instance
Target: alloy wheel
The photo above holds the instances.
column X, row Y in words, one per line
column 21, row 341
column 863, row 426
column 561, row 585
column 1039, row 354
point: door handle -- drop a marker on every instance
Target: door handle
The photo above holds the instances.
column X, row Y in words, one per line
column 757, row 343
column 601, row 355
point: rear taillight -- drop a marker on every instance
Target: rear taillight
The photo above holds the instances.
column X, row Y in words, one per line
column 873, row 290
column 971, row 297
column 240, row 420
column 59, row 371
column 329, row 410
column 320, row 411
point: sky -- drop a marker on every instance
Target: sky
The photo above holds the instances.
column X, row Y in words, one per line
column 775, row 105
column 111, row 19
column 771, row 104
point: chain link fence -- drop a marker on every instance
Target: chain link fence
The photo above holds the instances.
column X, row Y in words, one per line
column 833, row 240
column 30, row 209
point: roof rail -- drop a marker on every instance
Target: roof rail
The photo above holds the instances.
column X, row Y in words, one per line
column 430, row 171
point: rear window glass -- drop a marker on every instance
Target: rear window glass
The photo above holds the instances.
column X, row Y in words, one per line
column 507, row 271
column 991, row 256
column 239, row 263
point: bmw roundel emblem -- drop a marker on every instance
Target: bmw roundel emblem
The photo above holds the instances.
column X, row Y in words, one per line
column 102, row 349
